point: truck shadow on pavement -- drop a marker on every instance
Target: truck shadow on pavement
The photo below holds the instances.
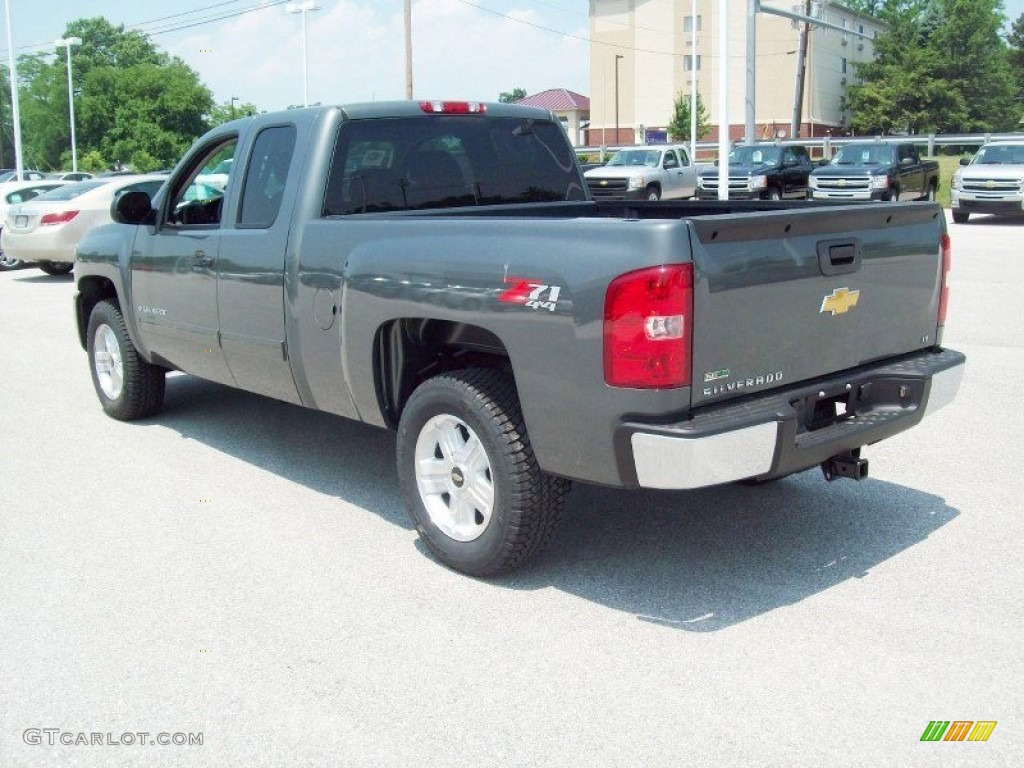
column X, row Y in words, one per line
column 698, row 561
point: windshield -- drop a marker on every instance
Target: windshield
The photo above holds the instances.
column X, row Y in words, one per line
column 754, row 156
column 645, row 157
column 864, row 154
column 1000, row 155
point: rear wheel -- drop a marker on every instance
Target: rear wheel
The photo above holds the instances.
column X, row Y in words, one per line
column 6, row 262
column 930, row 194
column 961, row 217
column 56, row 267
column 469, row 477
column 128, row 387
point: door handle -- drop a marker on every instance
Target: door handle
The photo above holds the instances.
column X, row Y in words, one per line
column 202, row 260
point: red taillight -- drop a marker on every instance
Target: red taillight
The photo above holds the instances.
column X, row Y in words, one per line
column 453, row 107
column 947, row 258
column 57, row 218
column 648, row 328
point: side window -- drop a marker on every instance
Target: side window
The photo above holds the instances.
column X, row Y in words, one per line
column 684, row 157
column 266, row 176
column 198, row 194
column 671, row 161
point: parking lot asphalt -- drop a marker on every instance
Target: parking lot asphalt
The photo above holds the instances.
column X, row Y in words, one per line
column 243, row 569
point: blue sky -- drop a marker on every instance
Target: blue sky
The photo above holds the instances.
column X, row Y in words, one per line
column 462, row 48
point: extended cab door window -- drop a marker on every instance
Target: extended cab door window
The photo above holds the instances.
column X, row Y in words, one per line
column 266, row 176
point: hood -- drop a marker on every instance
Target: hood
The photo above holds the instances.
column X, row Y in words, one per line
column 618, row 171
column 832, row 170
column 992, row 171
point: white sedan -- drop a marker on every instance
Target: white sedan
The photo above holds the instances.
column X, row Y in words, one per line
column 45, row 230
column 12, row 193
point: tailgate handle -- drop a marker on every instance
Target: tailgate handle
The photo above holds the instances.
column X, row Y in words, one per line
column 839, row 257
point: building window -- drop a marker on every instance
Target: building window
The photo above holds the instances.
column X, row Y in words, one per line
column 691, row 63
column 688, row 24
column 842, row 65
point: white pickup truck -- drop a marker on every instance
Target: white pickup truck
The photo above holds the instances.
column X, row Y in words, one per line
column 991, row 182
column 645, row 173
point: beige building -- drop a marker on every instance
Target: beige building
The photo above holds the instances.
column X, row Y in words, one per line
column 642, row 57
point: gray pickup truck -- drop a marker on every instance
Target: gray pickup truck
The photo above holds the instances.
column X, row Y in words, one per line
column 438, row 269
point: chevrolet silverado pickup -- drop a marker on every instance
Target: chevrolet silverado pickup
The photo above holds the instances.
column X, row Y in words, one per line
column 644, row 173
column 990, row 182
column 438, row 269
column 876, row 170
column 761, row 172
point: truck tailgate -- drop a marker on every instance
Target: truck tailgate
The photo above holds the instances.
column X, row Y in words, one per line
column 787, row 296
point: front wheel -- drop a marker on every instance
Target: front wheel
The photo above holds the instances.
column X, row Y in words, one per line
column 653, row 193
column 774, row 195
column 961, row 217
column 56, row 267
column 128, row 387
column 468, row 475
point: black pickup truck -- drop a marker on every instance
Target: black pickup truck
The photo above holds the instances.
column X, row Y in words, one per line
column 876, row 170
column 761, row 172
column 437, row 269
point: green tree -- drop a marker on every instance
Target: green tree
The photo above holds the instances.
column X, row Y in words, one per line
column 941, row 67
column 222, row 113
column 508, row 97
column 679, row 128
column 134, row 105
column 1015, row 40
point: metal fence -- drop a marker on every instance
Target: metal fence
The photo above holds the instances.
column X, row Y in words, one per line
column 826, row 146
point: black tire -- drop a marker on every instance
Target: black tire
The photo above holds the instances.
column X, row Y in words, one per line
column 653, row 193
column 56, row 267
column 961, row 217
column 930, row 194
column 141, row 389
column 774, row 195
column 479, row 406
column 7, row 262
column 894, row 195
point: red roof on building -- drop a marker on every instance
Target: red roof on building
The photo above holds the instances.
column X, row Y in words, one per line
column 557, row 100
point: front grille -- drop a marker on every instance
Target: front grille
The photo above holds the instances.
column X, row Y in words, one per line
column 991, row 185
column 843, row 183
column 738, row 183
column 607, row 189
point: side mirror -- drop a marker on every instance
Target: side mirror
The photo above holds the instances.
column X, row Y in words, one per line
column 965, row 161
column 823, row 161
column 133, row 208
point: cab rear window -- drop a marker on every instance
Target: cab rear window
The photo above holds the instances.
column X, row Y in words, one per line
column 420, row 163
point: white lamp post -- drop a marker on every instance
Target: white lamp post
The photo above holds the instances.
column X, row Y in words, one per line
column 67, row 42
column 303, row 8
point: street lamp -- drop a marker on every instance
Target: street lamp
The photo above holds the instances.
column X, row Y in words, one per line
column 303, row 8
column 67, row 42
column 617, row 57
column 233, row 100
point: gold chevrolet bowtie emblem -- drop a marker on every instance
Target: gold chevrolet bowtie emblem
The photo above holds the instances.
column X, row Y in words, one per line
column 839, row 302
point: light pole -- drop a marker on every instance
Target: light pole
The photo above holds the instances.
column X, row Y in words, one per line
column 233, row 100
column 67, row 42
column 617, row 57
column 303, row 8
